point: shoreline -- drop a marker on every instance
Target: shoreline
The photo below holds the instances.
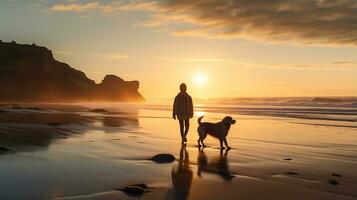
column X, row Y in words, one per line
column 271, row 157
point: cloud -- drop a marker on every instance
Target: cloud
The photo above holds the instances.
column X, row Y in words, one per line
column 193, row 59
column 112, row 56
column 304, row 22
column 328, row 66
column 111, row 7
column 115, row 56
column 339, row 65
column 345, row 63
column 75, row 7
column 328, row 22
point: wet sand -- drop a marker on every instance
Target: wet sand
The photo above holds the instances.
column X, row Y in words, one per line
column 74, row 152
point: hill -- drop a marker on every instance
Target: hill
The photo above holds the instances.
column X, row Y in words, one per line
column 30, row 73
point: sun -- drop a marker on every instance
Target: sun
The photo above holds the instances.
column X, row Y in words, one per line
column 200, row 79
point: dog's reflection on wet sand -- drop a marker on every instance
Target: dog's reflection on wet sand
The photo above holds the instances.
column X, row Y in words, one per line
column 218, row 166
column 182, row 174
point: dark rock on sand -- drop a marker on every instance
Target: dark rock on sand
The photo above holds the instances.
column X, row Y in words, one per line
column 136, row 190
column 34, row 108
column 288, row 159
column 4, row 150
column 99, row 110
column 142, row 185
column 16, row 107
column 163, row 158
column 337, row 175
column 333, row 182
column 54, row 124
column 291, row 173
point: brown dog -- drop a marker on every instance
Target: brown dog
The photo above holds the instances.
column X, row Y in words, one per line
column 218, row 130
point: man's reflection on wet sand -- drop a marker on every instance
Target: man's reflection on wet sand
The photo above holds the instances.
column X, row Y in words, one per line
column 218, row 166
column 182, row 175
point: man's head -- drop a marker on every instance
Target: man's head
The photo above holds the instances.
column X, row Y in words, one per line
column 183, row 87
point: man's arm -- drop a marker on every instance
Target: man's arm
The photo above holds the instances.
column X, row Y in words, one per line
column 174, row 109
column 191, row 107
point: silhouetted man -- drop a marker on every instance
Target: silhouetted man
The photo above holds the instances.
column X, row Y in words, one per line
column 183, row 111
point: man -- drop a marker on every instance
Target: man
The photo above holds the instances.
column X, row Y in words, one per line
column 183, row 111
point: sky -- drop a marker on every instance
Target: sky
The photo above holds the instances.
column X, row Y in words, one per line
column 220, row 48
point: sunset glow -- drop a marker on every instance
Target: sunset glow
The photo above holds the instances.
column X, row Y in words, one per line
column 154, row 43
column 200, row 79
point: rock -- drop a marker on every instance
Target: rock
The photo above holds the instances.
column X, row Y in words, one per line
column 113, row 87
column 288, row 159
column 333, row 182
column 2, row 111
column 142, row 185
column 99, row 110
column 53, row 124
column 291, row 173
column 163, row 158
column 4, row 150
column 16, row 107
column 34, row 108
column 133, row 191
column 136, row 190
column 337, row 175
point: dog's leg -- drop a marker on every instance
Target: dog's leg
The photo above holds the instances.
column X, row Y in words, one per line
column 203, row 144
column 203, row 137
column 200, row 140
column 226, row 143
column 221, row 143
column 200, row 136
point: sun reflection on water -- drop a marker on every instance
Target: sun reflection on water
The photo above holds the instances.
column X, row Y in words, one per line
column 199, row 113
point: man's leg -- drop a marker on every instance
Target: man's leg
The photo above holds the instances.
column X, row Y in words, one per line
column 187, row 128
column 182, row 127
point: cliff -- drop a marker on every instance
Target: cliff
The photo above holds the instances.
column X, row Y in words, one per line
column 30, row 73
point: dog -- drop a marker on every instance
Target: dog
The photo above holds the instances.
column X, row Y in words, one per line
column 218, row 130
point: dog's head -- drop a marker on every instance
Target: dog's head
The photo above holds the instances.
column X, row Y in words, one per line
column 228, row 121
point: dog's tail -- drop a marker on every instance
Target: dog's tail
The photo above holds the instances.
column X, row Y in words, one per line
column 199, row 120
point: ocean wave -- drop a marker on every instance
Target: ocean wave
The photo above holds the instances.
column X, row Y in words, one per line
column 347, row 102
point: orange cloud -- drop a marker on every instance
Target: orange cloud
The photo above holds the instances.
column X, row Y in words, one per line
column 112, row 56
column 322, row 22
column 75, row 7
column 105, row 7
column 340, row 65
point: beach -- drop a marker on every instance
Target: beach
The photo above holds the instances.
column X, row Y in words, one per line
column 96, row 97
column 93, row 151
